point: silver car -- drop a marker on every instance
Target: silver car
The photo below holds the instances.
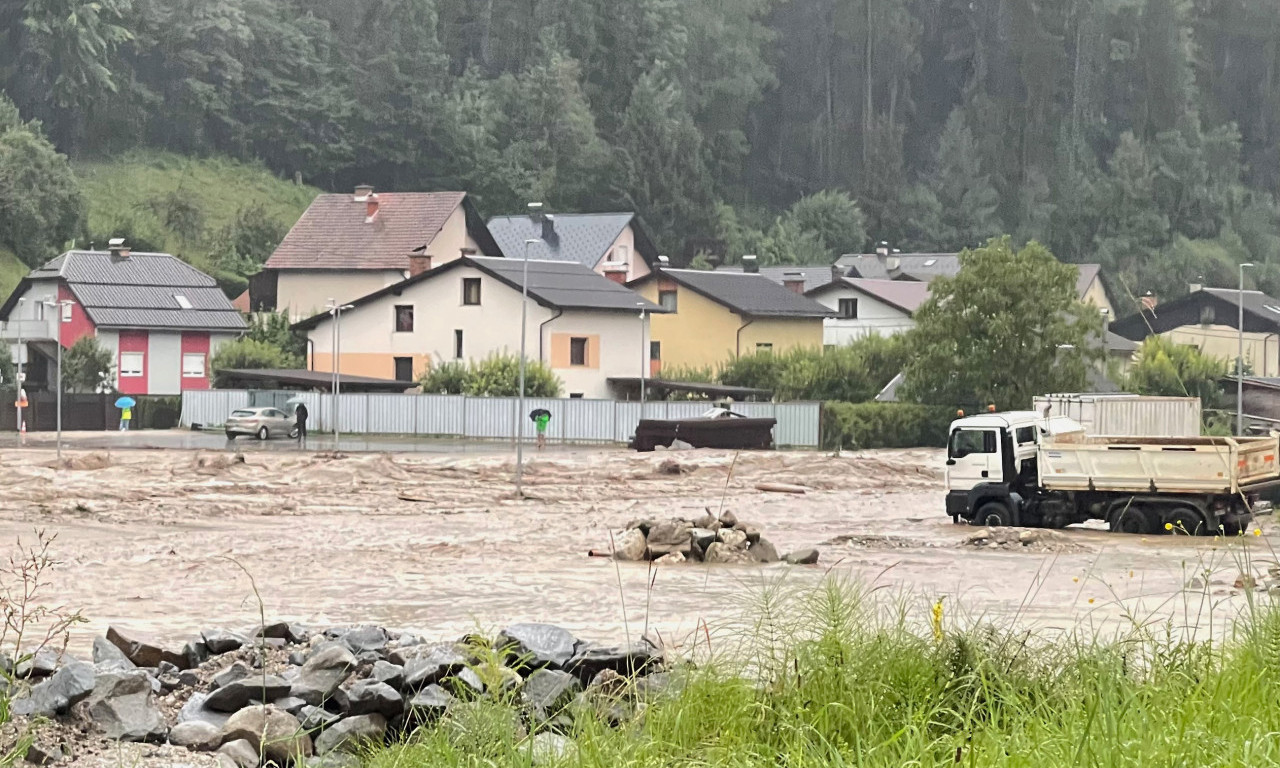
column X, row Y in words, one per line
column 262, row 423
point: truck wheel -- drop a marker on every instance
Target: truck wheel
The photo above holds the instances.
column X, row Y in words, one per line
column 1132, row 519
column 993, row 514
column 1185, row 522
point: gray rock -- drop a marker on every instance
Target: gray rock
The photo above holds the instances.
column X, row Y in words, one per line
column 671, row 536
column 195, row 652
column 297, row 634
column 675, row 558
column 220, row 641
column 702, row 538
column 728, row 519
column 630, row 546
column 291, row 704
column 323, row 673
column 592, row 659
column 467, row 683
column 707, row 521
column 752, row 532
column 642, row 525
column 67, row 687
column 547, row 747
column 297, row 658
column 276, row 629
column 763, row 551
column 108, row 658
column 368, row 697
column 143, row 651
column 123, row 706
column 240, row 753
column 656, row 686
column 723, row 553
column 315, row 719
column 273, row 733
column 803, row 557
column 235, row 696
column 232, row 674
column 732, row 538
column 434, row 666
column 386, row 672
column 432, row 701
column 362, row 639
column 195, row 711
column 351, row 733
column 334, row 760
column 42, row 663
column 197, row 735
column 188, row 679
column 44, row 753
column 548, row 691
column 538, row 645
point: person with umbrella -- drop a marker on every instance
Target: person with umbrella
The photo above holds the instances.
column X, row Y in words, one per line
column 300, row 413
column 541, row 417
column 125, row 404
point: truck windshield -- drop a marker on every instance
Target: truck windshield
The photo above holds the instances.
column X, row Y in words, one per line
column 968, row 441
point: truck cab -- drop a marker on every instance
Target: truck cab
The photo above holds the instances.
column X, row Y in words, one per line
column 995, row 455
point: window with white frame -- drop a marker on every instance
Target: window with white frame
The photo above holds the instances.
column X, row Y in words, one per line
column 66, row 313
column 131, row 364
column 193, row 365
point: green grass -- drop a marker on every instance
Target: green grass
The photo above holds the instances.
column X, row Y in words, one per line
column 11, row 271
column 133, row 194
column 838, row 684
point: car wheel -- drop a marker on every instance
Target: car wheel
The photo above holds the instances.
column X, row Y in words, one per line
column 264, row 434
column 293, row 434
column 1132, row 518
column 993, row 514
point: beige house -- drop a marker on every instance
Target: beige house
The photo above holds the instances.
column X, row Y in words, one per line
column 347, row 246
column 586, row 328
column 612, row 244
column 1208, row 320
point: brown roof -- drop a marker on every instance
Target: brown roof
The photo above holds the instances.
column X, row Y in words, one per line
column 906, row 295
column 333, row 233
column 241, row 302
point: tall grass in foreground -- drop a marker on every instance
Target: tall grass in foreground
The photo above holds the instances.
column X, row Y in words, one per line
column 835, row 685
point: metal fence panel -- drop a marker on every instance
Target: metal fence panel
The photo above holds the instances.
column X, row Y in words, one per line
column 493, row 418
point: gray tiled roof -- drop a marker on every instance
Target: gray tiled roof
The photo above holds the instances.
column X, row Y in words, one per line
column 927, row 266
column 814, row 275
column 566, row 285
column 749, row 294
column 579, row 237
column 140, row 291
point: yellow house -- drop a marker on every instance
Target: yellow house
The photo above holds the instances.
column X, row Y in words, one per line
column 1208, row 320
column 713, row 316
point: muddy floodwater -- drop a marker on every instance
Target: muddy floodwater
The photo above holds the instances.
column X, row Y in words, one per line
column 161, row 541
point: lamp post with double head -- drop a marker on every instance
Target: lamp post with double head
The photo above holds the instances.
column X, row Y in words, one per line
column 335, row 313
column 1240, row 353
column 59, row 307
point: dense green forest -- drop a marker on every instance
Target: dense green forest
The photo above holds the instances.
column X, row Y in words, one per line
column 1143, row 134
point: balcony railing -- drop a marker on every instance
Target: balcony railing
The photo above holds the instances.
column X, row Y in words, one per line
column 29, row 330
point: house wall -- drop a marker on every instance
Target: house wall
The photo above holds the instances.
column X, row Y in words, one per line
column 874, row 317
column 1261, row 351
column 616, row 343
column 80, row 324
column 305, row 293
column 636, row 265
column 704, row 333
column 195, row 343
column 164, row 363
column 1096, row 295
column 453, row 237
column 133, row 341
column 489, row 328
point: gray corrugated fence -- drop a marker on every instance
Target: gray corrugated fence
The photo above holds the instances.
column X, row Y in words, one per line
column 492, row 418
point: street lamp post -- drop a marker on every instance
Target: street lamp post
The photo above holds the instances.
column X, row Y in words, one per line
column 17, row 374
column 335, row 311
column 1240, row 354
column 644, row 356
column 524, row 312
column 57, row 307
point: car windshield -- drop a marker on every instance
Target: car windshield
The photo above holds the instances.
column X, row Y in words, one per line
column 241, row 414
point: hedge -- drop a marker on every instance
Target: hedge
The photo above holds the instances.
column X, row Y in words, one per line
column 885, row 425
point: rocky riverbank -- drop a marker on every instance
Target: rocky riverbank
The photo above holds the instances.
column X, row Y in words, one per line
column 710, row 538
column 283, row 695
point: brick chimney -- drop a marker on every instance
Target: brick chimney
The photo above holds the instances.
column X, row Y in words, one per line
column 419, row 263
column 119, row 251
column 371, row 208
column 363, row 191
column 793, row 281
column 617, row 273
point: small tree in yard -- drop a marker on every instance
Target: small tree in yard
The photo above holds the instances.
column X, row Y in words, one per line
column 1167, row 368
column 247, row 354
column 495, row 376
column 1008, row 327
column 87, row 366
column 8, row 373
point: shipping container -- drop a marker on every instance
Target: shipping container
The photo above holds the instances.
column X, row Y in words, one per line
column 1125, row 414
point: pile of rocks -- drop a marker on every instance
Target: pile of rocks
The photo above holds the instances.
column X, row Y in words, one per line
column 708, row 539
column 284, row 696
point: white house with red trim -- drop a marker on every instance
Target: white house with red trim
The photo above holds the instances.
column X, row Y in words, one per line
column 161, row 318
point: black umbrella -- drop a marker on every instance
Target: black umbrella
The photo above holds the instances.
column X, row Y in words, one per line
column 538, row 413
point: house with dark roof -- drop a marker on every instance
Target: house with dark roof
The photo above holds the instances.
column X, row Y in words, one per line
column 585, row 327
column 801, row 278
column 347, row 246
column 1209, row 319
column 160, row 317
column 868, row 307
column 612, row 244
column 715, row 316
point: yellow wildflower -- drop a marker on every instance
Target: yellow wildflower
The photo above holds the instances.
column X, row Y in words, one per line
column 936, row 619
column 1168, row 526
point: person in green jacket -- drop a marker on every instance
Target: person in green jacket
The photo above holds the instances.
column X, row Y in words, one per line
column 541, row 418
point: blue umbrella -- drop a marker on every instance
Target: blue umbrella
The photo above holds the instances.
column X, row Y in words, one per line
column 126, row 402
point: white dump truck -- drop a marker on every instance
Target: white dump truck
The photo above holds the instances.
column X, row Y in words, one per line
column 1022, row 469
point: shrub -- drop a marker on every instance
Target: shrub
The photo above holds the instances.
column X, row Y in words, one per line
column 248, row 354
column 495, row 376
column 87, row 366
column 885, row 425
column 1165, row 367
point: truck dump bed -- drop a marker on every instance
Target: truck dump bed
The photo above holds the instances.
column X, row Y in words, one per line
column 1159, row 465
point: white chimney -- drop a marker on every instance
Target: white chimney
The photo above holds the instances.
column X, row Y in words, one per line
column 750, row 265
column 363, row 192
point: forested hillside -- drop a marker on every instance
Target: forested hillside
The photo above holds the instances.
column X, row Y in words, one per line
column 1144, row 134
